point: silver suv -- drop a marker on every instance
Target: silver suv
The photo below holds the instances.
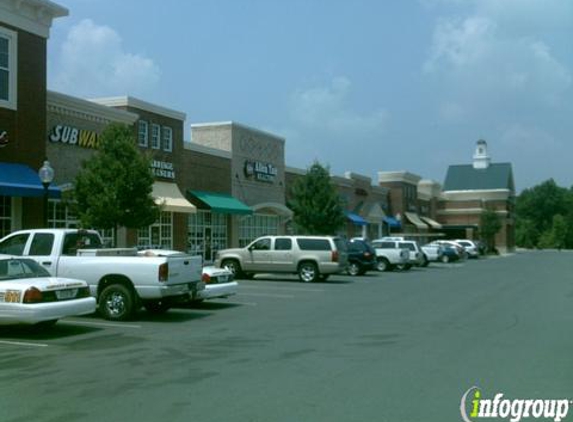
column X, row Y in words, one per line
column 311, row 257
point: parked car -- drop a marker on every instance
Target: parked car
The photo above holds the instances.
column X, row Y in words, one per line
column 413, row 254
column 453, row 244
column 30, row 295
column 219, row 283
column 120, row 279
column 432, row 253
column 311, row 257
column 388, row 255
column 470, row 247
column 450, row 254
column 361, row 257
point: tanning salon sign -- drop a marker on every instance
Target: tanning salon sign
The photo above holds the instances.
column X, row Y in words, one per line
column 263, row 172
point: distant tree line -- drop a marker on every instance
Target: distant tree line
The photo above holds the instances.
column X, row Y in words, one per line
column 544, row 217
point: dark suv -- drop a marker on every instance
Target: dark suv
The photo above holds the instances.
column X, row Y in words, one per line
column 361, row 257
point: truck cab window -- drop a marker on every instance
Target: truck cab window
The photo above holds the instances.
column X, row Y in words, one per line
column 42, row 244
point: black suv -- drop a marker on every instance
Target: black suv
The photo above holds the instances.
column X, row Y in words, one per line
column 361, row 257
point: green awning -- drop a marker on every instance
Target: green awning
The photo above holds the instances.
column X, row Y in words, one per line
column 221, row 203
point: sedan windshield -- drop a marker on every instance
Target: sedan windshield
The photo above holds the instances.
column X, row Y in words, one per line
column 15, row 268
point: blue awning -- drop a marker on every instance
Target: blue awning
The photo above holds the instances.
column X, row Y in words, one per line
column 392, row 222
column 356, row 219
column 21, row 180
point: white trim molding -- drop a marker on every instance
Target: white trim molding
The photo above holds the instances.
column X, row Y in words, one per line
column 127, row 101
column 232, row 124
column 34, row 16
column 472, row 195
column 87, row 110
column 12, row 37
column 192, row 146
column 398, row 176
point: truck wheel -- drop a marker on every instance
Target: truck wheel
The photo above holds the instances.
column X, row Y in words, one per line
column 308, row 272
column 383, row 265
column 116, row 303
column 157, row 307
column 353, row 269
column 233, row 266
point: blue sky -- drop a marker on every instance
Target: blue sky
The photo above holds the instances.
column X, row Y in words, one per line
column 363, row 85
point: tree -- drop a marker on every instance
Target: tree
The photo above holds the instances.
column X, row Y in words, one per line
column 536, row 209
column 556, row 237
column 526, row 233
column 490, row 225
column 113, row 188
column 540, row 203
column 315, row 202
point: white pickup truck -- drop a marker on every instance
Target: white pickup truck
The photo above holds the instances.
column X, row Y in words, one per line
column 122, row 280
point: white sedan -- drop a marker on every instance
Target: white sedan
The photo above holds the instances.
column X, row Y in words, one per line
column 30, row 295
column 219, row 283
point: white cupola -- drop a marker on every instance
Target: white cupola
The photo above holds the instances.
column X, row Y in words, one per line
column 481, row 157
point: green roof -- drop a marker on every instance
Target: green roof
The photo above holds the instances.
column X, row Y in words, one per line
column 466, row 177
column 221, row 202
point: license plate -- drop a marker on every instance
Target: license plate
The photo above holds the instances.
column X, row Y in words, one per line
column 223, row 278
column 66, row 294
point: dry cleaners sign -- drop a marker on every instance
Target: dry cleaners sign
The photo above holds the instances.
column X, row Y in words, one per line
column 74, row 136
column 163, row 169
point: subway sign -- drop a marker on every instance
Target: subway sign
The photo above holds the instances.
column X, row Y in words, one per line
column 73, row 136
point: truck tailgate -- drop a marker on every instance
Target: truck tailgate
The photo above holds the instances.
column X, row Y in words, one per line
column 184, row 269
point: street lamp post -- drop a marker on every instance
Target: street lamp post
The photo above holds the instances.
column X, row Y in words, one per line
column 46, row 174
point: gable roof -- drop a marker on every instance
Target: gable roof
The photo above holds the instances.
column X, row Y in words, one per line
column 466, row 177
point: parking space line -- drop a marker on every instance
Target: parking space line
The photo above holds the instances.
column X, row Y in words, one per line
column 19, row 343
column 241, row 303
column 268, row 295
column 100, row 324
column 294, row 289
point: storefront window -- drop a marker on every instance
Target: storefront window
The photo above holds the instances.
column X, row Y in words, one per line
column 257, row 225
column 167, row 138
column 155, row 136
column 60, row 216
column 142, row 134
column 159, row 235
column 207, row 234
column 8, row 43
column 5, row 215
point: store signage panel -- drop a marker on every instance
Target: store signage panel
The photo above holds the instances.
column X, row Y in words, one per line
column 163, row 169
column 3, row 138
column 262, row 172
column 74, row 136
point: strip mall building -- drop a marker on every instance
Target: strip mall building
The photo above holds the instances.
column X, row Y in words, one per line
column 225, row 188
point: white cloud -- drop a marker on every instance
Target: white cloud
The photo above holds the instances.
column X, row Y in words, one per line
column 326, row 109
column 92, row 62
column 477, row 66
column 460, row 43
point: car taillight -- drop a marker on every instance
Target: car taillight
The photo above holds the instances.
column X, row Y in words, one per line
column 206, row 278
column 32, row 295
column 334, row 256
column 163, row 272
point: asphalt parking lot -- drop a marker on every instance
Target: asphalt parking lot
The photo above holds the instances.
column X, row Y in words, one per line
column 385, row 347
